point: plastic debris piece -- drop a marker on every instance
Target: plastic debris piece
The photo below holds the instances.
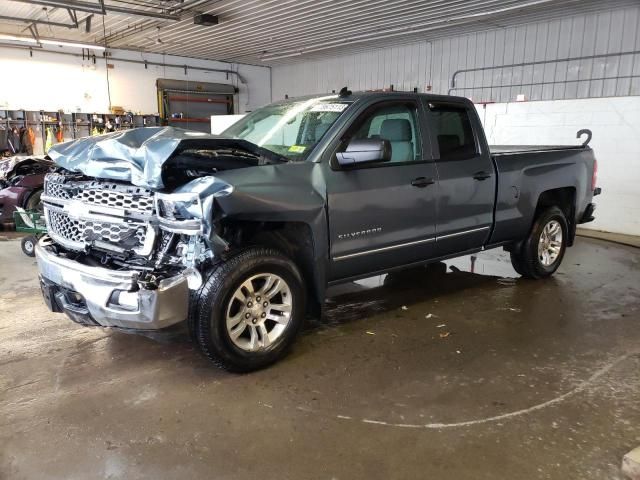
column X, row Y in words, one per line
column 441, row 325
column 370, row 333
column 404, row 307
column 444, row 334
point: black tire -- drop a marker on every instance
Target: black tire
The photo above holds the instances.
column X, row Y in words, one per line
column 34, row 202
column 28, row 245
column 526, row 261
column 208, row 319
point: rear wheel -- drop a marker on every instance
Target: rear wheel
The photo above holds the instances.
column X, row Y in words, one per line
column 542, row 252
column 249, row 310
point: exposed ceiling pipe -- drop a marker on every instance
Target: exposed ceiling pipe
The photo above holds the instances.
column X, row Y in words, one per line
column 142, row 62
column 100, row 9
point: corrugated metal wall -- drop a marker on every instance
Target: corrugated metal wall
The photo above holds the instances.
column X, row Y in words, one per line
column 432, row 64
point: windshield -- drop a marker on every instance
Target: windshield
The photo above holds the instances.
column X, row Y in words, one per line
column 289, row 129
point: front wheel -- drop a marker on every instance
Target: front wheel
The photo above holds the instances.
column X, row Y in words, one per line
column 249, row 310
column 542, row 252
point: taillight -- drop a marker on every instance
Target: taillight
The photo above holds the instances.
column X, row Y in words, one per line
column 594, row 178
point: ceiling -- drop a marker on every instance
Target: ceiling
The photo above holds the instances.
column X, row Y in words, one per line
column 268, row 32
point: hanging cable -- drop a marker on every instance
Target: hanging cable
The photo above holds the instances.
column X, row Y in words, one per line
column 106, row 61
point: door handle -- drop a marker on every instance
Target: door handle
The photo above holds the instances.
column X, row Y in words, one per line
column 481, row 175
column 422, row 182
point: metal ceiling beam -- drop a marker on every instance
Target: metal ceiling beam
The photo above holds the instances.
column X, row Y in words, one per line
column 74, row 16
column 39, row 22
column 98, row 8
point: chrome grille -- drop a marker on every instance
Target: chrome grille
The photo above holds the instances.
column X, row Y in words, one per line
column 113, row 198
column 64, row 226
column 55, row 189
column 106, row 194
column 79, row 230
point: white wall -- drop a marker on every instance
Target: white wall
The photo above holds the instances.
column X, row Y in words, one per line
column 615, row 123
column 48, row 81
column 432, row 62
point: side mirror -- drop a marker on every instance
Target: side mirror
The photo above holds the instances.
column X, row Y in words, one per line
column 367, row 150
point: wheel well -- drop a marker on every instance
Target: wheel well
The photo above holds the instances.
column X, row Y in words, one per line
column 294, row 239
column 563, row 198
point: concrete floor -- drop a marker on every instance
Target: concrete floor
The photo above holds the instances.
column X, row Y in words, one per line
column 426, row 375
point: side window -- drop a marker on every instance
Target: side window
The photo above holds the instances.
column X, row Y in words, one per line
column 397, row 123
column 453, row 132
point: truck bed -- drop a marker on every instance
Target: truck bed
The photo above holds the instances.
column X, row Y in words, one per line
column 514, row 149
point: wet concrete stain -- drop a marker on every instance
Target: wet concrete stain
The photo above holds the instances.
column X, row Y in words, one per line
column 532, row 380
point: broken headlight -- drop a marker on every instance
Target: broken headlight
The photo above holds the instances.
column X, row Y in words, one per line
column 179, row 212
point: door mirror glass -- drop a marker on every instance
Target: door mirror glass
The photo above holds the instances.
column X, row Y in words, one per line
column 366, row 150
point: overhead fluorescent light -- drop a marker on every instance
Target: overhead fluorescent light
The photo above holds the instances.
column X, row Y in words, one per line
column 13, row 38
column 71, row 44
column 44, row 41
column 268, row 58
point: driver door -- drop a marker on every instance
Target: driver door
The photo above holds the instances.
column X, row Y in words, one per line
column 383, row 214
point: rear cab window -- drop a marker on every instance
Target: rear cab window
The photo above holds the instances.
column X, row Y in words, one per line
column 453, row 131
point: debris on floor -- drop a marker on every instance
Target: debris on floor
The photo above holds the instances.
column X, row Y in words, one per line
column 370, row 333
column 441, row 325
column 444, row 334
column 404, row 307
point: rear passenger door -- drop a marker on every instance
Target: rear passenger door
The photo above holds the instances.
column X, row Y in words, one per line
column 466, row 177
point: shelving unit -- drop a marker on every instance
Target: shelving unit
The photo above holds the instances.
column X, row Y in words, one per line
column 73, row 125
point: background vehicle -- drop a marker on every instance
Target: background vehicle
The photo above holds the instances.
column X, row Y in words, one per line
column 21, row 182
column 241, row 234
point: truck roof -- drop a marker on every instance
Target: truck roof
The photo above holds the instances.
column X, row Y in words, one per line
column 353, row 96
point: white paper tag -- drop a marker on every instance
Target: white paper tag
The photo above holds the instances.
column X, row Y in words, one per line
column 329, row 107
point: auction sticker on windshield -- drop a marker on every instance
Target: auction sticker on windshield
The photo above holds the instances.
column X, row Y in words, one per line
column 329, row 107
column 297, row 148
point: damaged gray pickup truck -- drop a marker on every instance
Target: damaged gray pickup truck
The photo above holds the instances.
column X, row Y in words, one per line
column 239, row 235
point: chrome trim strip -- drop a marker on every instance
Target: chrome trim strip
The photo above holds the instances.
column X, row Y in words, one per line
column 457, row 234
column 391, row 247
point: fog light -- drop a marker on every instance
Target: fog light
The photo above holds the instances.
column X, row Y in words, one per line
column 124, row 300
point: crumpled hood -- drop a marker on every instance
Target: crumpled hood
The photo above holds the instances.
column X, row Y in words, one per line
column 137, row 155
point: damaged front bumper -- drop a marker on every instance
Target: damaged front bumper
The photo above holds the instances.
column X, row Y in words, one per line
column 110, row 298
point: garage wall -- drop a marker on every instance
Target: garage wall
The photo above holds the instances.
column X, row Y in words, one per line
column 50, row 81
column 432, row 64
column 615, row 123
